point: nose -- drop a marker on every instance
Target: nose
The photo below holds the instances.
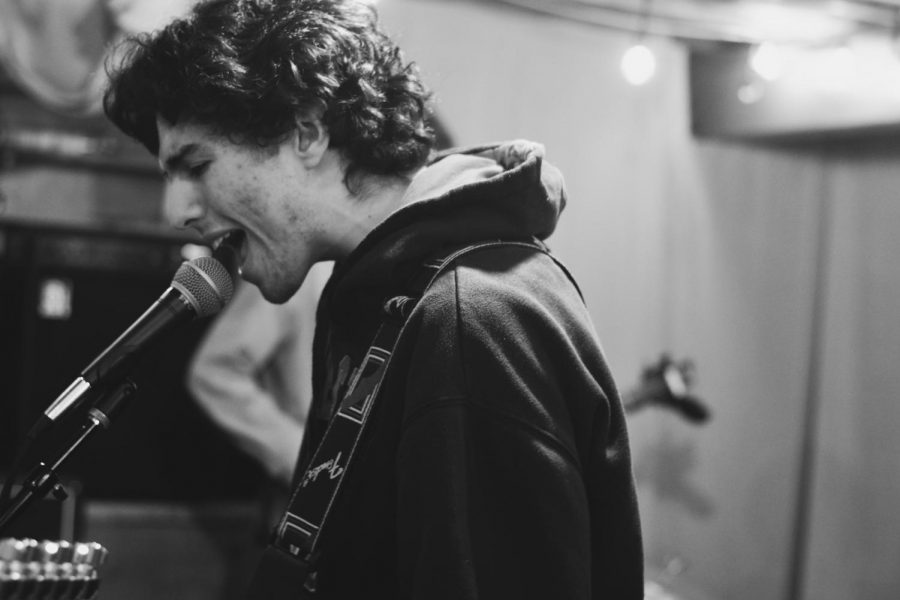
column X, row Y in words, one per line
column 182, row 205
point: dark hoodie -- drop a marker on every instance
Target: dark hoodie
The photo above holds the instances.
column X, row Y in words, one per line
column 495, row 463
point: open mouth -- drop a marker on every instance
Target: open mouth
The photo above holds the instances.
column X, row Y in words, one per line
column 228, row 249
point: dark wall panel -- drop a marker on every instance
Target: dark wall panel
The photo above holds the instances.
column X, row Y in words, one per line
column 65, row 295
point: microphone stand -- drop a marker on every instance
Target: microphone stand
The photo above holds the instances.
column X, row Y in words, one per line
column 43, row 479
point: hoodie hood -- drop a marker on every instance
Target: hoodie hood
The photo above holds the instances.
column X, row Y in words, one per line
column 496, row 191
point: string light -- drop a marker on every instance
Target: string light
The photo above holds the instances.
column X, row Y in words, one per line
column 751, row 92
column 767, row 61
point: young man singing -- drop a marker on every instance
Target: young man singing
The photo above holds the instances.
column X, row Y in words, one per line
column 492, row 460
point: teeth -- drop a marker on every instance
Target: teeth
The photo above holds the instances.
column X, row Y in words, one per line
column 218, row 241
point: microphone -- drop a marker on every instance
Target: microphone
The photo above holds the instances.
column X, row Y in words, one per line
column 200, row 288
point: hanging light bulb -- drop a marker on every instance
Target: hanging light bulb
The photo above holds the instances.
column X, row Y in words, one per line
column 638, row 64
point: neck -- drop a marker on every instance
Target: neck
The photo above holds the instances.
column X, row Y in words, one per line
column 379, row 198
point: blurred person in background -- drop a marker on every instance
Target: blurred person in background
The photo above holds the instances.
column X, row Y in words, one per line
column 252, row 372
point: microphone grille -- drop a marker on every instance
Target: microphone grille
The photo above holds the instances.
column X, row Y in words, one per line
column 206, row 283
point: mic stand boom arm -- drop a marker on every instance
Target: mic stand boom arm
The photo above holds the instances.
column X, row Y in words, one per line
column 43, row 479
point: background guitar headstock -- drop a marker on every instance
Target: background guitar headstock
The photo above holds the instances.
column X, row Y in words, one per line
column 668, row 384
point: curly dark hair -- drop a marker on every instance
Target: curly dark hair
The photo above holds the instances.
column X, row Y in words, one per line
column 249, row 68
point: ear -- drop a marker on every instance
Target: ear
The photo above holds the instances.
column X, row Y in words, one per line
column 312, row 139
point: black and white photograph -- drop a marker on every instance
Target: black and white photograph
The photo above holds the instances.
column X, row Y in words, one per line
column 449, row 299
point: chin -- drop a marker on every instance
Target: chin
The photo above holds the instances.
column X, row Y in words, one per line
column 277, row 285
column 277, row 294
column 276, row 298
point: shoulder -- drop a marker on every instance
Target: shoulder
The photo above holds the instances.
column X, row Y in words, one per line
column 509, row 304
column 513, row 337
column 501, row 282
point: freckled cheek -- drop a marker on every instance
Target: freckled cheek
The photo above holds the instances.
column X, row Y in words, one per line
column 253, row 207
column 240, row 196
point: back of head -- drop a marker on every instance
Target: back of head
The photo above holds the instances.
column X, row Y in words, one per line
column 249, row 69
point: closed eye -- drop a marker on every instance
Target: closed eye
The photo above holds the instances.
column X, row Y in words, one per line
column 198, row 170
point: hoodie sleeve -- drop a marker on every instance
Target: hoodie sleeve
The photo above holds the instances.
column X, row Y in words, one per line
column 514, row 473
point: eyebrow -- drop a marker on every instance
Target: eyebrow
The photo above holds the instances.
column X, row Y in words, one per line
column 175, row 162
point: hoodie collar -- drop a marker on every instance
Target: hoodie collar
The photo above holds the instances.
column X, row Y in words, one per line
column 494, row 191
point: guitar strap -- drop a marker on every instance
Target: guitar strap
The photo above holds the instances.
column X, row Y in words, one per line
column 287, row 566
